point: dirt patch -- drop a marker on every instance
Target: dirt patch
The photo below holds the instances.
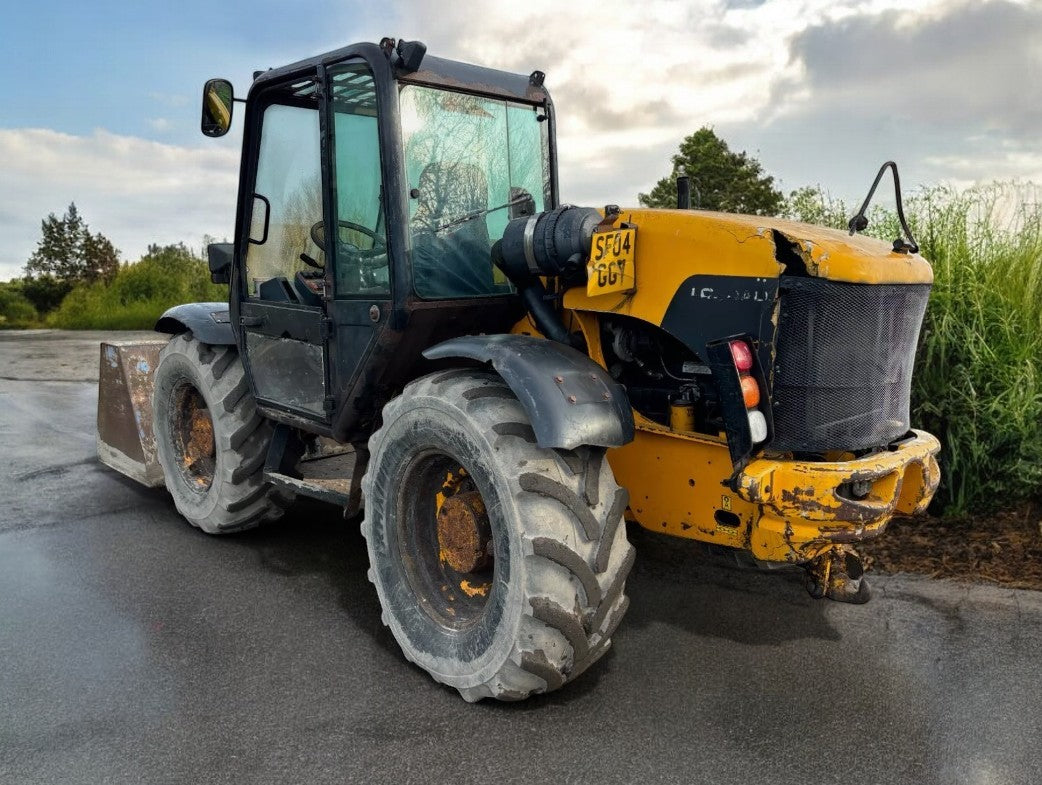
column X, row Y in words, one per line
column 1004, row 549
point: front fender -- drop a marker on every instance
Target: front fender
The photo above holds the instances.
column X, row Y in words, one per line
column 570, row 400
column 207, row 321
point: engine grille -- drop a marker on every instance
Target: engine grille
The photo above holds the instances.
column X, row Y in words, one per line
column 843, row 368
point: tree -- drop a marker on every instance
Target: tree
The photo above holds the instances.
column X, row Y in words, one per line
column 810, row 204
column 101, row 259
column 720, row 179
column 68, row 253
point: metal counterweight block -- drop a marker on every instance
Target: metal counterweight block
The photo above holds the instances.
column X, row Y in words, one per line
column 125, row 438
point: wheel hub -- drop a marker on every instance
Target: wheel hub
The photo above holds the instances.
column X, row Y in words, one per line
column 194, row 438
column 200, row 445
column 464, row 534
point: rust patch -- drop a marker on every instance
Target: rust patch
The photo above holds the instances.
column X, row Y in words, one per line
column 194, row 437
column 805, row 500
column 474, row 589
column 200, row 445
column 838, row 575
column 829, row 504
column 464, row 534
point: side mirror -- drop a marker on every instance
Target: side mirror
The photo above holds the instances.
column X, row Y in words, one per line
column 218, row 97
column 219, row 257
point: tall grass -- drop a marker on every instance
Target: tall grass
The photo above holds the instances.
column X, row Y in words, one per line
column 139, row 293
column 978, row 375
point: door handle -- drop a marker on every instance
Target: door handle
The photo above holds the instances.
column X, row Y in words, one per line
column 251, row 321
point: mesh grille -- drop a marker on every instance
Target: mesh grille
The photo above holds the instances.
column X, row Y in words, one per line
column 843, row 370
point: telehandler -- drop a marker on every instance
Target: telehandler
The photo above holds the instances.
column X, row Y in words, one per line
column 419, row 331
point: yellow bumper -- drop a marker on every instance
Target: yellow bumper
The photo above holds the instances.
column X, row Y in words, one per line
column 803, row 513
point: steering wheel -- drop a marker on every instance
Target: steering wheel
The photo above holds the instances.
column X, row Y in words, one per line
column 379, row 242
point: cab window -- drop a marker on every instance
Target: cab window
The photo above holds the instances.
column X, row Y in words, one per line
column 471, row 164
column 289, row 179
column 361, row 246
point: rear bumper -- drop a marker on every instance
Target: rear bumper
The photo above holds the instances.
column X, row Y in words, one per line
column 803, row 513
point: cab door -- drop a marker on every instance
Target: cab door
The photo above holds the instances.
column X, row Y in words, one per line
column 317, row 281
column 282, row 312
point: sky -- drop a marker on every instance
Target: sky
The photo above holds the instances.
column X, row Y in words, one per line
column 99, row 101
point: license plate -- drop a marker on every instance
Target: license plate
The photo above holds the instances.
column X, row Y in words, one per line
column 612, row 269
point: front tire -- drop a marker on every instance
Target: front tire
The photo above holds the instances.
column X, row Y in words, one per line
column 534, row 604
column 210, row 439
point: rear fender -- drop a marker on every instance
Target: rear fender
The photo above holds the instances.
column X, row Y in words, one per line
column 570, row 400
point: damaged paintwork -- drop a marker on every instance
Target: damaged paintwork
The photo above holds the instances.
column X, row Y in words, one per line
column 838, row 256
column 805, row 513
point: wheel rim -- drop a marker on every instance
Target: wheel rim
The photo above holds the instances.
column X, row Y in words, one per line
column 446, row 541
column 194, row 441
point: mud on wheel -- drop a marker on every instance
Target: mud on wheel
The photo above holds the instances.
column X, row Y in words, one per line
column 500, row 566
column 210, row 439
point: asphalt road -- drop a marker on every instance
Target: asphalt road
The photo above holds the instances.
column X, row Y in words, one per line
column 134, row 649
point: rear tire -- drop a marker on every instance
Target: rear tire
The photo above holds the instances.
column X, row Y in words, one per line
column 210, row 439
column 558, row 544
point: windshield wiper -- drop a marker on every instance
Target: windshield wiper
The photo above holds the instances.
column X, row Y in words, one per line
column 479, row 213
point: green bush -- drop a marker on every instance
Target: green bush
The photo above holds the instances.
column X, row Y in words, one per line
column 44, row 292
column 978, row 375
column 15, row 309
column 139, row 293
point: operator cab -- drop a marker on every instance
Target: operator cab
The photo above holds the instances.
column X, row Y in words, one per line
column 374, row 182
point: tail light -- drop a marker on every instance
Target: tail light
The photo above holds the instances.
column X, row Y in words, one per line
column 750, row 392
column 757, row 426
column 742, row 354
column 743, row 395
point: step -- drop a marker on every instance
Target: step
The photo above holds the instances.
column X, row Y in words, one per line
column 326, row 478
column 326, row 489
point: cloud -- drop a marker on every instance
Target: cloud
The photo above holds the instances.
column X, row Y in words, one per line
column 964, row 63
column 132, row 190
column 631, row 80
column 944, row 89
column 1002, row 159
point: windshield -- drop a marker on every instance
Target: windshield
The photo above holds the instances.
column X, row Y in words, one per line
column 471, row 163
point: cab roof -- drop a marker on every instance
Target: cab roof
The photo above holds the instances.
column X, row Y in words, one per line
column 433, row 71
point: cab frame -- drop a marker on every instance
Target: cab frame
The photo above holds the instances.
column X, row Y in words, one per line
column 371, row 346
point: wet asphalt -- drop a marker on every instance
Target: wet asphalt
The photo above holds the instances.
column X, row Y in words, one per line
column 135, row 649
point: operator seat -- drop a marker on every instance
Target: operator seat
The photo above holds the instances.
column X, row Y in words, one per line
column 453, row 262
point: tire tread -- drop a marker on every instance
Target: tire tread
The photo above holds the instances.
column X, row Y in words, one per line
column 241, row 435
column 576, row 569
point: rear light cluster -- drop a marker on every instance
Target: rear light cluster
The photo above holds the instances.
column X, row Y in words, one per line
column 742, row 354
